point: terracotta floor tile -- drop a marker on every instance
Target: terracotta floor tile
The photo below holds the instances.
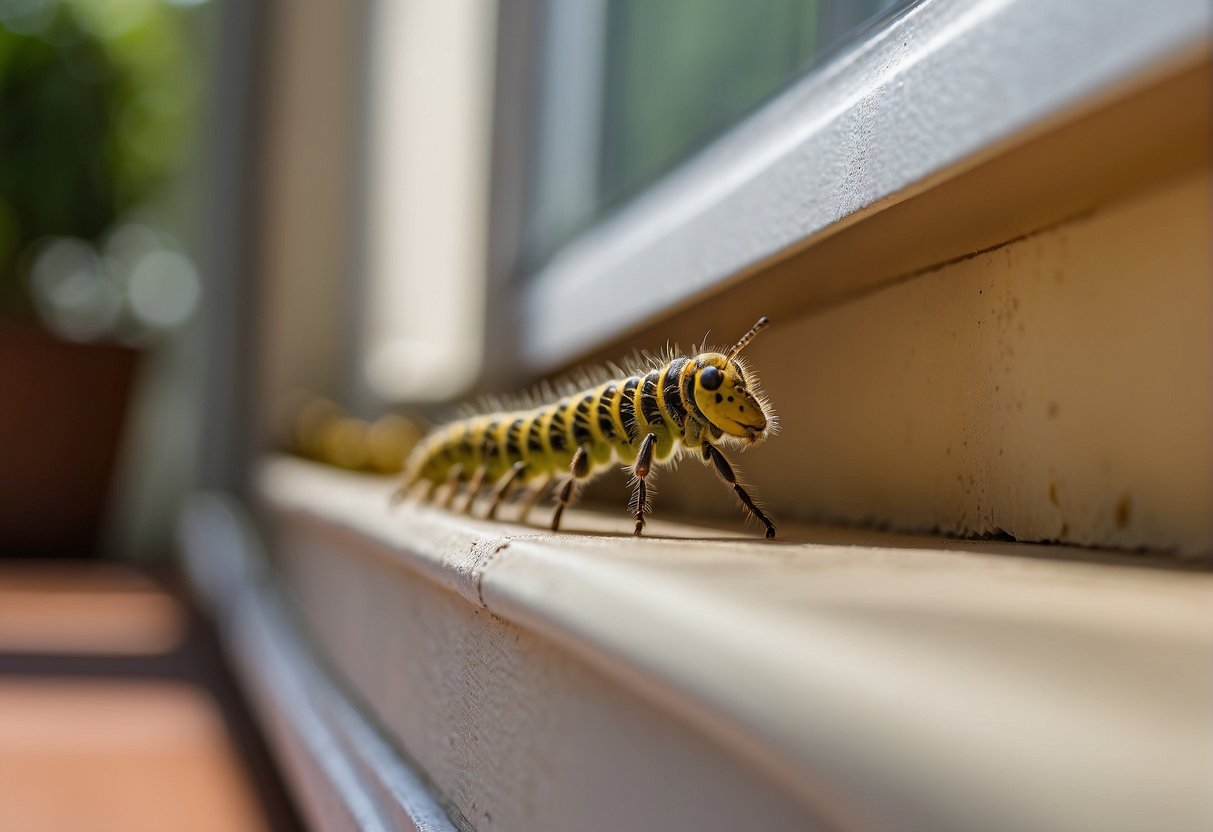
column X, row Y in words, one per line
column 86, row 609
column 126, row 756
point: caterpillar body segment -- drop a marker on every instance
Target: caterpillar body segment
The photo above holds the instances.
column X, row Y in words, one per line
column 642, row 420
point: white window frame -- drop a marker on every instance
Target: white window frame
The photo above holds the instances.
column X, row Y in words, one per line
column 944, row 85
column 426, row 191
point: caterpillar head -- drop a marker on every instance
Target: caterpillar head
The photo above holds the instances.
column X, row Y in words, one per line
column 726, row 397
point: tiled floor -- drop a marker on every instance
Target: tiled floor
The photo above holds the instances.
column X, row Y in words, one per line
column 117, row 714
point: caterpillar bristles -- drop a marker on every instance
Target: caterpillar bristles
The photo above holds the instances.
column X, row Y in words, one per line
column 666, row 405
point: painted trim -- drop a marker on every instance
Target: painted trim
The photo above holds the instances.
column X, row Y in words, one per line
column 941, row 87
column 343, row 774
column 832, row 667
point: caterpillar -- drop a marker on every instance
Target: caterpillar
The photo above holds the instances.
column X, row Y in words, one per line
column 684, row 404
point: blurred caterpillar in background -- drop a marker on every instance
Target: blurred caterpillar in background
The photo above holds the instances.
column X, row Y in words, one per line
column 682, row 404
column 321, row 430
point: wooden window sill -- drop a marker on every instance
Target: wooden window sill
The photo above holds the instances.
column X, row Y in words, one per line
column 693, row 679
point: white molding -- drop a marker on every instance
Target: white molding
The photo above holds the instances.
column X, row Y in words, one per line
column 942, row 84
column 343, row 774
column 429, row 142
column 882, row 681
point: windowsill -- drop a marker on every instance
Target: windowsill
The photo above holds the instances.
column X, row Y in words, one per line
column 943, row 684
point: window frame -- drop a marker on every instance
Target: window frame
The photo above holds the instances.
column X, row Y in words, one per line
column 893, row 116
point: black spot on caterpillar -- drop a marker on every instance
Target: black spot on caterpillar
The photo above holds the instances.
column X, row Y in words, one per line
column 683, row 404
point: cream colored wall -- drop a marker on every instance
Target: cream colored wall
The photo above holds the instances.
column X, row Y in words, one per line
column 1055, row 388
column 307, row 168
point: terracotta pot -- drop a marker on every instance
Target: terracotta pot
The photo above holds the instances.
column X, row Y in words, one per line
column 62, row 408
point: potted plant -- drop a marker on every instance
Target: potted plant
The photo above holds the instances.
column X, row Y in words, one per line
column 88, row 133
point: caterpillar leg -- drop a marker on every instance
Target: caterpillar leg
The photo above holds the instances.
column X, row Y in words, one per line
column 453, row 476
column 503, row 487
column 533, row 495
column 402, row 493
column 640, row 470
column 477, row 482
column 579, row 469
column 725, row 470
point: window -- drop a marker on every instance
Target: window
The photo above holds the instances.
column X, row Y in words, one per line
column 919, row 96
column 632, row 88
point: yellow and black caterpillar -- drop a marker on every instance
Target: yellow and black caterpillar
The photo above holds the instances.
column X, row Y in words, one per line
column 685, row 404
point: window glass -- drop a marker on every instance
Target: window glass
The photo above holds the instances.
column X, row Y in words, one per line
column 675, row 74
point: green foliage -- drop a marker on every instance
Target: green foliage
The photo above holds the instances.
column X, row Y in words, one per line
column 96, row 100
column 682, row 71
